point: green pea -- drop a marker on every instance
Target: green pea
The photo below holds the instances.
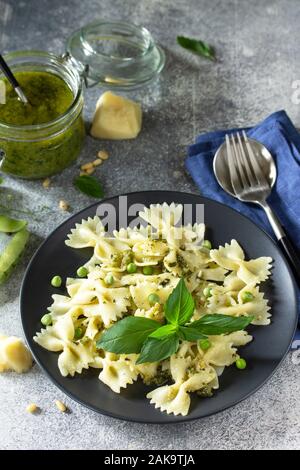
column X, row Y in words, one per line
column 207, row 244
column 46, row 319
column 207, row 292
column 82, row 272
column 204, row 344
column 131, row 268
column 153, row 299
column 78, row 333
column 109, row 279
column 147, row 270
column 241, row 363
column 56, row 281
column 247, row 297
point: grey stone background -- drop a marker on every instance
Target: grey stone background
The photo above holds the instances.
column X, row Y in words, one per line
column 258, row 44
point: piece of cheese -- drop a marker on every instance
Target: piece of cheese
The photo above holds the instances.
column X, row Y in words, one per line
column 116, row 118
column 14, row 355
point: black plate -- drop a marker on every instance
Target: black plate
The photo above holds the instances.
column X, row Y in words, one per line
column 263, row 355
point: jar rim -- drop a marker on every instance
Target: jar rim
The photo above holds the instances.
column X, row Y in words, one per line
column 47, row 55
column 141, row 29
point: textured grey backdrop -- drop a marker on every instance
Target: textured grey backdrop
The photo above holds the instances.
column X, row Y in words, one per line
column 257, row 43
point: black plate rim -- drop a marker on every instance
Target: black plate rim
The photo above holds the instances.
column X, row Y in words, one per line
column 168, row 419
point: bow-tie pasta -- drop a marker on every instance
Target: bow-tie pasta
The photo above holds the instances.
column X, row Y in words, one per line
column 161, row 250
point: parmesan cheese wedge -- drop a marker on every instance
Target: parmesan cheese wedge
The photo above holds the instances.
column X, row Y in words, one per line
column 14, row 355
column 116, row 118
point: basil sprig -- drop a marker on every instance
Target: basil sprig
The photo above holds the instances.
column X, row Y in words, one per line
column 197, row 47
column 155, row 342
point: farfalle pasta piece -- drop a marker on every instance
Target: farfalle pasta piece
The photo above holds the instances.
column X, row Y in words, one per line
column 162, row 216
column 232, row 257
column 223, row 349
column 141, row 291
column 74, row 356
column 86, row 234
column 132, row 235
column 118, row 371
column 175, row 398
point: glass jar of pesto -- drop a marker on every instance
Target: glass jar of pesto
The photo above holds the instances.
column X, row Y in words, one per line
column 44, row 137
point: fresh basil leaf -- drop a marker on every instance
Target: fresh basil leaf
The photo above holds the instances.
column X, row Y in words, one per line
column 163, row 331
column 188, row 333
column 128, row 335
column 180, row 305
column 89, row 185
column 155, row 349
column 8, row 225
column 197, row 47
column 218, row 324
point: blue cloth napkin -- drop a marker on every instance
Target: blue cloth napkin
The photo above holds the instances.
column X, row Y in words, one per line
column 281, row 138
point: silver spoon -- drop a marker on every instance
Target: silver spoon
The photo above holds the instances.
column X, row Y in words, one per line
column 12, row 79
column 245, row 169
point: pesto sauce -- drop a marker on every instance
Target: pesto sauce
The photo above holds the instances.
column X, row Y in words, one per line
column 48, row 95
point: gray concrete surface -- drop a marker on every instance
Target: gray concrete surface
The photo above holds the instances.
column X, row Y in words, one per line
column 257, row 44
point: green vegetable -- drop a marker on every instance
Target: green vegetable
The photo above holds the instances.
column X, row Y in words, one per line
column 153, row 299
column 180, row 305
column 46, row 319
column 158, row 349
column 8, row 225
column 197, row 47
column 89, row 185
column 109, row 279
column 56, row 281
column 207, row 244
column 247, row 297
column 207, row 292
column 82, row 272
column 12, row 253
column 241, row 364
column 78, row 333
column 217, row 324
column 127, row 335
column 205, row 344
column 131, row 268
column 147, row 270
column 156, row 342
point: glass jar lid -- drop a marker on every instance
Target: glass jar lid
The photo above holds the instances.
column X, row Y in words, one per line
column 115, row 54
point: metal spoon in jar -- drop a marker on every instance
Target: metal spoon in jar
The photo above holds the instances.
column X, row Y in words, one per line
column 13, row 81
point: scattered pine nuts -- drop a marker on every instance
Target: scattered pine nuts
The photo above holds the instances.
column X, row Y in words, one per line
column 97, row 162
column 63, row 205
column 46, row 183
column 32, row 408
column 90, row 171
column 103, row 154
column 61, row 406
column 86, row 166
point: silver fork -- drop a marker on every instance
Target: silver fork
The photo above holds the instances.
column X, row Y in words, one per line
column 250, row 184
